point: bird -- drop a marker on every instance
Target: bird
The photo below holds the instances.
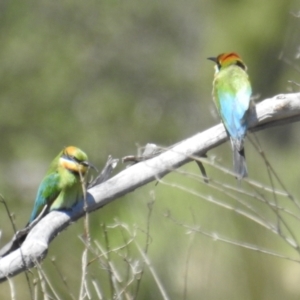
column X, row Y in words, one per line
column 232, row 96
column 62, row 186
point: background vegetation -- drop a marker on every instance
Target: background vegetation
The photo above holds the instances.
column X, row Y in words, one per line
column 109, row 75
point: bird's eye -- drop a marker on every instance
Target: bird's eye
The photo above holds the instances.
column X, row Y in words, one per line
column 240, row 64
column 71, row 157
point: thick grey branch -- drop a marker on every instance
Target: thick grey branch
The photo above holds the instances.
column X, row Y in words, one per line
column 278, row 110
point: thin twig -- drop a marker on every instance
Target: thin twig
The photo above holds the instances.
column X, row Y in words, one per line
column 150, row 210
column 186, row 270
column 2, row 200
column 43, row 280
column 153, row 273
column 62, row 278
column 217, row 237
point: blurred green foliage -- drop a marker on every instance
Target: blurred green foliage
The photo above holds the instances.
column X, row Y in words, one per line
column 108, row 75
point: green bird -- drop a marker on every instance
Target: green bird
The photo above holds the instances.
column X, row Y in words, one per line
column 62, row 187
column 231, row 93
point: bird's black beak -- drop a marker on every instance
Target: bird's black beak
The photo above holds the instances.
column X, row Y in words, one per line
column 214, row 59
column 90, row 165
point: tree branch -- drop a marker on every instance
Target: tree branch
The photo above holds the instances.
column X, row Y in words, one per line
column 279, row 110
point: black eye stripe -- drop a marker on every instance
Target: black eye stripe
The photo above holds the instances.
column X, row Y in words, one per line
column 72, row 158
column 241, row 65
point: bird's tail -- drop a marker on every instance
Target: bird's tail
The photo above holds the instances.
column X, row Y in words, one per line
column 239, row 160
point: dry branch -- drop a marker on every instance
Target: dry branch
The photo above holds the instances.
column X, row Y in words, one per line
column 281, row 109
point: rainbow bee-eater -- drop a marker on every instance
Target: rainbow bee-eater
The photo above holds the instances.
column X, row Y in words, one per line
column 231, row 94
column 62, row 186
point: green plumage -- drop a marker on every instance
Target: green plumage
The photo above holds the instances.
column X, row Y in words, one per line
column 231, row 94
column 62, row 188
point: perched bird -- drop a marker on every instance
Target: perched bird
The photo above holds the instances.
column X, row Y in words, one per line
column 62, row 188
column 231, row 94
